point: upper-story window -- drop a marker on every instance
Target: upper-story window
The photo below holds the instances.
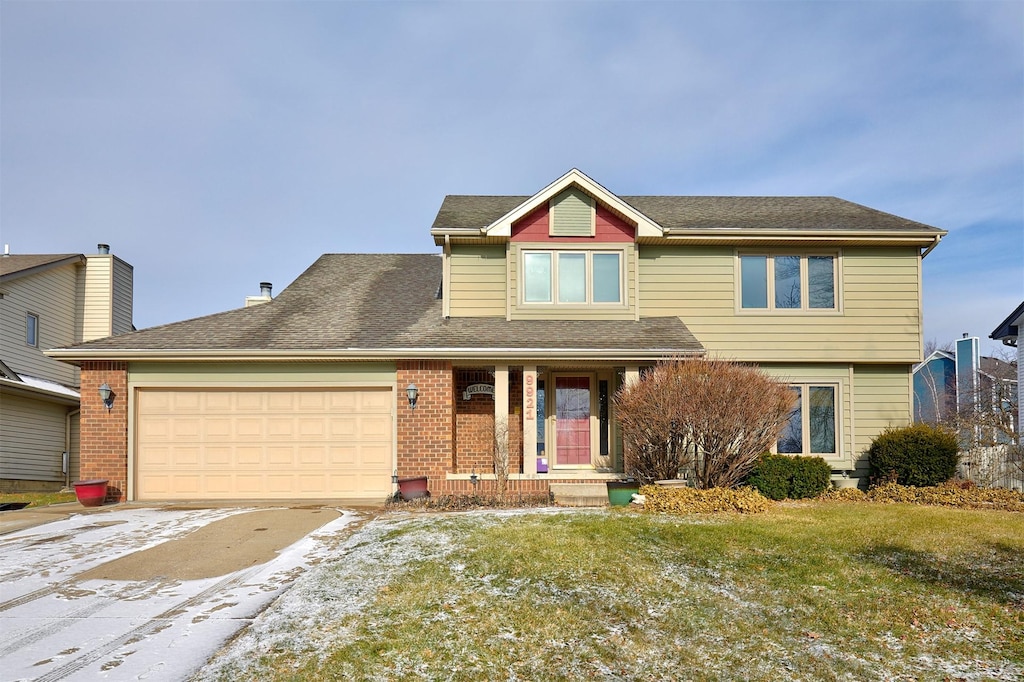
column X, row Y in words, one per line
column 788, row 281
column 32, row 330
column 573, row 277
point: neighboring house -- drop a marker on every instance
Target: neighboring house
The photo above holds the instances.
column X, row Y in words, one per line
column 50, row 300
column 536, row 311
column 1008, row 332
column 964, row 382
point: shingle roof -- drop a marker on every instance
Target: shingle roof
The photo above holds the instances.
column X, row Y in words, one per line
column 389, row 301
column 12, row 264
column 702, row 213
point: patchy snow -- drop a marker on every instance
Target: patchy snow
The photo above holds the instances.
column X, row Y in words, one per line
column 56, row 627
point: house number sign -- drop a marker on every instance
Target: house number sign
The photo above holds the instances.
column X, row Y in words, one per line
column 531, row 397
column 474, row 389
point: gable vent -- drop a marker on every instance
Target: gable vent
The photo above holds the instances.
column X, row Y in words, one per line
column 572, row 214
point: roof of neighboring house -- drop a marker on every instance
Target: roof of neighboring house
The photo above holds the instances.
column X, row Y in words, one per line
column 998, row 369
column 1008, row 328
column 703, row 212
column 17, row 265
column 374, row 305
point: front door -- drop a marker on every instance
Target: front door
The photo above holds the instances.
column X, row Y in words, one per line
column 572, row 420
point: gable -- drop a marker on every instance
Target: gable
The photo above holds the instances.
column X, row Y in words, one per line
column 571, row 214
column 539, row 226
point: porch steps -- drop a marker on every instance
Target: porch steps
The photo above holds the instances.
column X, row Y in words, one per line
column 580, row 494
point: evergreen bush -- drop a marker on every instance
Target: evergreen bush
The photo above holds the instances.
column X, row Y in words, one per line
column 918, row 455
column 780, row 477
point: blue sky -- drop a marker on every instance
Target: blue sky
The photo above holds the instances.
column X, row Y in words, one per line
column 214, row 145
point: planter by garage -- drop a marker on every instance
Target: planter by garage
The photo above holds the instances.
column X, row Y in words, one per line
column 620, row 493
column 91, row 493
column 413, row 488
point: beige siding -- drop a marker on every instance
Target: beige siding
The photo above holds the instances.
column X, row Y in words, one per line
column 572, row 214
column 882, row 396
column 477, row 284
column 31, row 439
column 826, row 374
column 879, row 296
column 123, row 291
column 95, row 296
column 76, row 447
column 50, row 295
column 562, row 312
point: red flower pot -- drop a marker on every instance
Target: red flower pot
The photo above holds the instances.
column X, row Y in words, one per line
column 91, row 493
column 413, row 488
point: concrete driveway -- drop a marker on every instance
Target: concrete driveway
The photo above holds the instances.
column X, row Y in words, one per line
column 126, row 593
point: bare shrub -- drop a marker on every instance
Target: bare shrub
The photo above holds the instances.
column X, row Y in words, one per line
column 710, row 419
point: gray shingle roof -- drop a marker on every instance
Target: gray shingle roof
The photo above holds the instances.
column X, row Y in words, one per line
column 702, row 213
column 388, row 301
column 17, row 264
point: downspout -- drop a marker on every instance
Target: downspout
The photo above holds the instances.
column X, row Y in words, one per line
column 446, row 278
column 938, row 239
column 67, row 444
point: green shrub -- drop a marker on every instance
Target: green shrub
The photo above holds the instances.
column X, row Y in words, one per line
column 917, row 455
column 780, row 477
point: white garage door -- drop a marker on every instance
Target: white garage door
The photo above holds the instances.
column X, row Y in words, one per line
column 282, row 444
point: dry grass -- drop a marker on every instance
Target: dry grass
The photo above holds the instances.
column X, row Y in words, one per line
column 815, row 592
column 38, row 499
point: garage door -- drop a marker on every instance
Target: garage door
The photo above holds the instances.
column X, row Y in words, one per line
column 282, row 444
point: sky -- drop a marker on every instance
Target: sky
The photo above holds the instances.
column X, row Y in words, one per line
column 215, row 145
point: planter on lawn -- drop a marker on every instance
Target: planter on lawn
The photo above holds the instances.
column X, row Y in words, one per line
column 91, row 493
column 845, row 482
column 620, row 493
column 413, row 488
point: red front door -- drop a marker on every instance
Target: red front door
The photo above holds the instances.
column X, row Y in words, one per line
column 572, row 419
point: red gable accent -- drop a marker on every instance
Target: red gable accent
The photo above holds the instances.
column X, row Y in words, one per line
column 608, row 228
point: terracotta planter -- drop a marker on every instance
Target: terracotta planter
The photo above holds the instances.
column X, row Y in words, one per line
column 413, row 488
column 91, row 493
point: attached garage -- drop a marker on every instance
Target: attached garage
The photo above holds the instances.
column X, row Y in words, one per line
column 209, row 444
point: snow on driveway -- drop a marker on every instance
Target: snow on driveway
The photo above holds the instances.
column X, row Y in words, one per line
column 54, row 626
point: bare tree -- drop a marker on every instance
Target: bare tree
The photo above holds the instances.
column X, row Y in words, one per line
column 708, row 418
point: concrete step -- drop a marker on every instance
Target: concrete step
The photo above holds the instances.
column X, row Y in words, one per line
column 580, row 494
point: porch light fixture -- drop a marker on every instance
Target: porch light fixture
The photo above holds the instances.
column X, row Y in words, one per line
column 106, row 395
column 474, row 479
column 394, row 478
column 413, row 393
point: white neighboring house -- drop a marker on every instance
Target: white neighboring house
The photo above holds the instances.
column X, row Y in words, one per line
column 1008, row 332
column 47, row 301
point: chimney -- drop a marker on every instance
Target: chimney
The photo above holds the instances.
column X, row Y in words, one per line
column 264, row 297
column 7, row 249
column 103, row 249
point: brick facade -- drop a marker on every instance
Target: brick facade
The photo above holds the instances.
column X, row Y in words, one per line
column 474, row 423
column 426, row 434
column 104, row 433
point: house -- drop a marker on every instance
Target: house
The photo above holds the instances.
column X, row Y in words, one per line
column 531, row 316
column 948, row 383
column 50, row 300
column 1008, row 332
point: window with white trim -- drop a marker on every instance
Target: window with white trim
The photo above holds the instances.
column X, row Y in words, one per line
column 573, row 277
column 788, row 281
column 811, row 429
column 32, row 329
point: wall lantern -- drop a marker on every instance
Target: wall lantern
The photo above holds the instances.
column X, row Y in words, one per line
column 474, row 479
column 394, row 478
column 107, row 396
column 413, row 394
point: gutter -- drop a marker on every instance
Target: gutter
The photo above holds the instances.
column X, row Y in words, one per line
column 938, row 238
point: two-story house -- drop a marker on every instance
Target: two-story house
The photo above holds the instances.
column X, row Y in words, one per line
column 50, row 300
column 534, row 313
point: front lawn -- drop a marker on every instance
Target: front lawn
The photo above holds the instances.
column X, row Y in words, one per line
column 810, row 591
column 38, row 499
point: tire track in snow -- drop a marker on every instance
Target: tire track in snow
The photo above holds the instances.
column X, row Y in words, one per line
column 151, row 626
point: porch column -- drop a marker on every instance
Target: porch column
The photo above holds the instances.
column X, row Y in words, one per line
column 632, row 374
column 529, row 419
column 501, row 405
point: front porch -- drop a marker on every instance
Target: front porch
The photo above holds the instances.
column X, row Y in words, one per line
column 555, row 422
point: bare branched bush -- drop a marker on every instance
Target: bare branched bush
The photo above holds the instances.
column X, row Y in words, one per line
column 708, row 419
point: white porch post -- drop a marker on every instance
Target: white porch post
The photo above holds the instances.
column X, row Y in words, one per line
column 501, row 404
column 632, row 374
column 529, row 419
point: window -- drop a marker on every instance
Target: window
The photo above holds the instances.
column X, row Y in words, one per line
column 811, row 428
column 32, row 330
column 574, row 277
column 787, row 282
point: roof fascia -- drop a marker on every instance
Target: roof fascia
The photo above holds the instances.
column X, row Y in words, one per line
column 741, row 234
column 645, row 227
column 36, row 269
column 1010, row 327
column 76, row 356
